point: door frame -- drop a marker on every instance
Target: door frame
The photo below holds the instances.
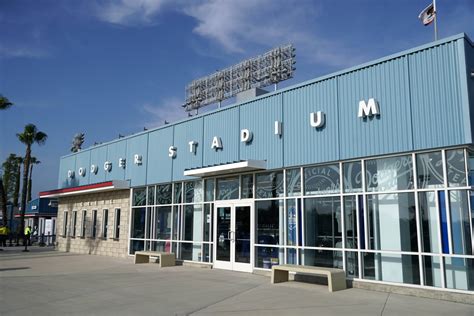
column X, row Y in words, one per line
column 232, row 265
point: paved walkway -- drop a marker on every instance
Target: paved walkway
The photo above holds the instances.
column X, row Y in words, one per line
column 45, row 282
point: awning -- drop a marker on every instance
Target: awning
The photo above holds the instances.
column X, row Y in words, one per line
column 235, row 167
column 89, row 188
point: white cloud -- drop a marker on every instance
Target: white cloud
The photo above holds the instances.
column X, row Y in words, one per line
column 169, row 110
column 129, row 12
column 19, row 52
column 247, row 25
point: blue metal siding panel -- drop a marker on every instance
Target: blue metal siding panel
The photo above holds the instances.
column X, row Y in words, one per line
column 137, row 172
column 259, row 118
column 66, row 164
column 224, row 124
column 159, row 164
column 436, row 97
column 184, row 133
column 469, row 97
column 305, row 144
column 83, row 160
column 391, row 131
column 115, row 151
column 98, row 158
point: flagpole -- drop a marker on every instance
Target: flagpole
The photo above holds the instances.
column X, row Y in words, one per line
column 435, row 20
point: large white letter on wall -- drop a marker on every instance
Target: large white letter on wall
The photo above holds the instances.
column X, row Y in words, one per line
column 246, row 135
column 216, row 143
column 317, row 119
column 192, row 146
column 172, row 152
column 370, row 108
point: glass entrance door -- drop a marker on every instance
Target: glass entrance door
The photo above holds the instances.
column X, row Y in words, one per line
column 233, row 236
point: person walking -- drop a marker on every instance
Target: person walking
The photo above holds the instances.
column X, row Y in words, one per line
column 26, row 237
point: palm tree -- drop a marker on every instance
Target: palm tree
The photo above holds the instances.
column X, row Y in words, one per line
column 33, row 162
column 16, row 193
column 4, row 103
column 29, row 136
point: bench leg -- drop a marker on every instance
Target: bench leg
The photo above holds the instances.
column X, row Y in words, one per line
column 141, row 259
column 336, row 282
column 279, row 276
column 167, row 261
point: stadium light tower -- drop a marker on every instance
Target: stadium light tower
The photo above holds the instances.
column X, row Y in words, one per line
column 270, row 68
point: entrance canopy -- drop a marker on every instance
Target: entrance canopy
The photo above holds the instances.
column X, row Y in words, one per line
column 90, row 188
column 235, row 167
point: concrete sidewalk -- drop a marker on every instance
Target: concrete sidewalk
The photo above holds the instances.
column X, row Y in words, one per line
column 46, row 282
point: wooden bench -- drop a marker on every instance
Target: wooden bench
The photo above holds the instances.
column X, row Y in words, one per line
column 166, row 259
column 336, row 277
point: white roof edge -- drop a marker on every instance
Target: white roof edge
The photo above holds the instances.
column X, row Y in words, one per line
column 242, row 166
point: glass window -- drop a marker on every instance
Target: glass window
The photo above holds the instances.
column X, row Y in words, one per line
column 163, row 194
column 227, row 188
column 269, row 185
column 73, row 224
column 389, row 174
column 65, row 213
column 94, row 224
column 178, row 191
column 291, row 221
column 350, row 221
column 352, row 172
column 269, row 215
column 429, row 168
column 266, row 257
column 105, row 222
column 471, row 168
column 209, row 188
column 459, row 273
column 322, row 258
column 193, row 191
column 117, row 224
column 456, row 168
column 247, row 186
column 139, row 197
column 322, row 221
column 321, row 179
column 460, row 226
column 392, row 222
column 83, row 223
column 432, row 270
column 429, row 221
column 163, row 222
column 293, row 182
column 391, row 268
column 136, row 245
column 352, row 264
column 192, row 225
column 151, row 196
column 138, row 222
column 176, row 222
column 208, row 222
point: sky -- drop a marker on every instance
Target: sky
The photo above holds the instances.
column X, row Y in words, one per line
column 107, row 67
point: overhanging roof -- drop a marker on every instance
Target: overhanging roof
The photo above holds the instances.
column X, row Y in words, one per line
column 241, row 166
column 90, row 188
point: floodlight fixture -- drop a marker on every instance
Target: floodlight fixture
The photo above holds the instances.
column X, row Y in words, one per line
column 270, row 68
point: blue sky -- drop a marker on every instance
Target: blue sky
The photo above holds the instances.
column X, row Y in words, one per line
column 110, row 67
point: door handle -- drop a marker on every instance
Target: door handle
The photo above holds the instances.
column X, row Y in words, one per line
column 228, row 234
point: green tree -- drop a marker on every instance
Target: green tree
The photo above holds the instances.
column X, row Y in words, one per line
column 16, row 192
column 33, row 162
column 10, row 166
column 4, row 104
column 30, row 136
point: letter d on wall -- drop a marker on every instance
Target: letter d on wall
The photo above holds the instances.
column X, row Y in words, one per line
column 246, row 136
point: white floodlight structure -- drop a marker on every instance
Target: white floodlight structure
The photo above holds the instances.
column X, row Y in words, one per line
column 270, row 68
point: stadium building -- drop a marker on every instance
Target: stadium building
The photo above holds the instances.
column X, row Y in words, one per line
column 369, row 169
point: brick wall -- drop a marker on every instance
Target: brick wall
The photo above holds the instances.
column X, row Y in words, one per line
column 99, row 245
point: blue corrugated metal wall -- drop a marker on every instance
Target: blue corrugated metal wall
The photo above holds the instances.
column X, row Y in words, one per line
column 423, row 98
column 259, row 117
